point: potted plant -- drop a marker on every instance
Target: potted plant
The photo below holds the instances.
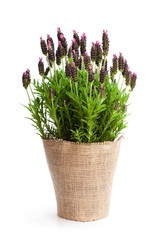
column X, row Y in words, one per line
column 79, row 108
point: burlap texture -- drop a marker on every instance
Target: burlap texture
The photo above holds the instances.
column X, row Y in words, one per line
column 82, row 175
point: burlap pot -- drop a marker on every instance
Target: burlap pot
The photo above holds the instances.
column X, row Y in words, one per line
column 82, row 175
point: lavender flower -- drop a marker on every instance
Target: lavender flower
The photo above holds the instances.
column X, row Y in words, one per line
column 93, row 52
column 61, row 51
column 41, row 67
column 43, row 46
column 125, row 67
column 68, row 69
column 120, row 62
column 59, row 33
column 80, row 62
column 28, row 76
column 75, row 35
column 70, row 52
column 50, row 41
column 133, row 81
column 128, row 77
column 99, row 53
column 102, row 74
column 87, row 61
column 64, row 43
column 83, row 44
column 114, row 60
column 58, row 58
column 46, row 71
column 75, row 46
column 74, row 73
column 105, row 43
column 25, row 80
column 75, row 58
column 90, row 74
column 51, row 55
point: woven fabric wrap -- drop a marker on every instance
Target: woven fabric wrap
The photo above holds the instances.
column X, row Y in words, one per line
column 82, row 175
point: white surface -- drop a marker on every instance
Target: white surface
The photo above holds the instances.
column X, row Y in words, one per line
column 27, row 200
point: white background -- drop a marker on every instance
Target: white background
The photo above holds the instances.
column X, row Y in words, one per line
column 27, row 200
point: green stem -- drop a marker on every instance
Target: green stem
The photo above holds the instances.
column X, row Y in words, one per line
column 63, row 66
column 87, row 80
column 91, row 89
column 70, row 80
column 55, row 70
column 31, row 91
column 76, row 83
column 122, row 84
column 28, row 96
column 119, row 77
column 104, row 61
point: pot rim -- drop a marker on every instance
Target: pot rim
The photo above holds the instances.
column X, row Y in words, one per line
column 77, row 143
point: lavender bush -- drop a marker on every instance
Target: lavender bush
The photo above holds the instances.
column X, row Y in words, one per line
column 78, row 98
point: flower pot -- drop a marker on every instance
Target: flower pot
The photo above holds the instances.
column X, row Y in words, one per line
column 82, row 175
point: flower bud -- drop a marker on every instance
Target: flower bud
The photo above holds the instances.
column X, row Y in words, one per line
column 90, row 74
column 114, row 61
column 25, row 80
column 59, row 33
column 58, row 58
column 61, row 51
column 93, row 52
column 64, row 43
column 75, row 35
column 70, row 52
column 83, row 44
column 41, row 67
column 43, row 46
column 74, row 73
column 99, row 53
column 51, row 94
column 75, row 58
column 28, row 76
column 133, row 81
column 102, row 74
column 46, row 71
column 125, row 68
column 68, row 69
column 117, row 106
column 128, row 77
column 120, row 62
column 87, row 61
column 51, row 55
column 80, row 62
column 50, row 42
column 105, row 43
column 75, row 46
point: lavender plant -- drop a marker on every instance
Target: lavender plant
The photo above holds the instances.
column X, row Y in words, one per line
column 78, row 98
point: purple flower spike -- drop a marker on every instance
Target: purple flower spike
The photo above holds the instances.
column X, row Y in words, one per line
column 102, row 75
column 83, row 44
column 74, row 73
column 41, row 67
column 105, row 43
column 68, row 69
column 43, row 46
column 133, row 81
column 121, row 62
column 98, row 53
column 115, row 63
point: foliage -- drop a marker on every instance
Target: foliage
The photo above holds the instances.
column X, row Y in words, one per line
column 78, row 109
